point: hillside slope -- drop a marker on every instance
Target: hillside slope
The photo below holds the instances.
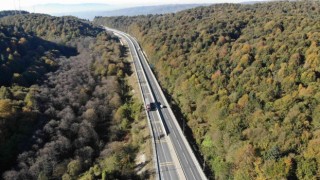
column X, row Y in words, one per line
column 51, row 28
column 246, row 78
column 65, row 108
column 24, row 61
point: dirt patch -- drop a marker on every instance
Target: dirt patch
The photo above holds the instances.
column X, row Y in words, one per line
column 141, row 163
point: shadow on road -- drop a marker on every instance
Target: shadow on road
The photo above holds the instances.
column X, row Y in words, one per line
column 162, row 120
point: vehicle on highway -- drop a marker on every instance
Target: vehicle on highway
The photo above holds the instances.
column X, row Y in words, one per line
column 148, row 104
column 159, row 105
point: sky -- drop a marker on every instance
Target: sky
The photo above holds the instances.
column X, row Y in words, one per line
column 33, row 5
column 29, row 4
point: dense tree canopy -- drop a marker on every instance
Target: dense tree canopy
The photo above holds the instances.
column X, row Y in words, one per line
column 11, row 13
column 26, row 58
column 62, row 105
column 246, row 78
column 57, row 29
column 77, row 107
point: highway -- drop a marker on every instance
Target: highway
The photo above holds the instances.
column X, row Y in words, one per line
column 174, row 157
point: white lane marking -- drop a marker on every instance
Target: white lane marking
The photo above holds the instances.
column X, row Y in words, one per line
column 174, row 134
column 161, row 176
column 160, row 150
column 164, row 153
column 165, row 115
column 179, row 144
column 185, row 157
column 166, row 163
column 192, row 172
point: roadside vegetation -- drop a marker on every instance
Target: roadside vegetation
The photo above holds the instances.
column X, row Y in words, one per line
column 246, row 78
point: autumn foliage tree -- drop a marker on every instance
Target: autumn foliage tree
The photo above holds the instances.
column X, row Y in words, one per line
column 246, row 79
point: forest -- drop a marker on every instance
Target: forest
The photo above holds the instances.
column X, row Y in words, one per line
column 66, row 111
column 247, row 81
column 11, row 13
column 51, row 28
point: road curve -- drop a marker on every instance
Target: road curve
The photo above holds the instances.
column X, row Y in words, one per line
column 167, row 131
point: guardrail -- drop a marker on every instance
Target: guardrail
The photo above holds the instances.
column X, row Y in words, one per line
column 154, row 149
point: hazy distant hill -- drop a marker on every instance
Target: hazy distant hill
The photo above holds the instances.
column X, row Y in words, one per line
column 254, row 2
column 144, row 10
column 69, row 9
column 133, row 11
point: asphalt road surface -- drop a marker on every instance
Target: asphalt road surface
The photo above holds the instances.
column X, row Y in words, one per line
column 166, row 128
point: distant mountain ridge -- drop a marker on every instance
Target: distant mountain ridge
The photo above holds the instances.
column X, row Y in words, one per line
column 132, row 11
column 144, row 10
column 68, row 9
column 254, row 2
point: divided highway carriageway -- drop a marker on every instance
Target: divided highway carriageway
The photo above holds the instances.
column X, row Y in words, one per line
column 173, row 156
